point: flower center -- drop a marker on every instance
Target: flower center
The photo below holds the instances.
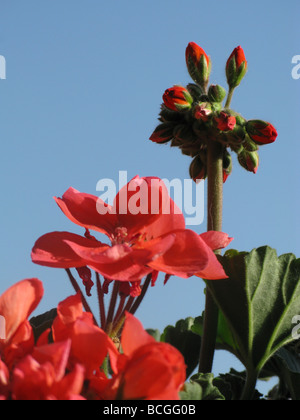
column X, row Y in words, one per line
column 120, row 236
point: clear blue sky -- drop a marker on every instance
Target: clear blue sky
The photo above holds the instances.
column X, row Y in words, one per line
column 81, row 98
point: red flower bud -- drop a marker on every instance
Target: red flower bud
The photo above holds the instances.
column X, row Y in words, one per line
column 236, row 67
column 163, row 133
column 249, row 160
column 198, row 64
column 198, row 170
column 227, row 165
column 177, row 98
column 225, row 122
column 261, row 132
column 202, row 111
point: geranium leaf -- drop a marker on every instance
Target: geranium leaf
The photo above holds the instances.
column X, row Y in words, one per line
column 185, row 340
column 259, row 300
column 209, row 391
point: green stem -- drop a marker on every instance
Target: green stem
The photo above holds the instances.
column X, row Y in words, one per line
column 111, row 309
column 101, row 301
column 229, row 97
column 250, row 385
column 214, row 222
column 131, row 307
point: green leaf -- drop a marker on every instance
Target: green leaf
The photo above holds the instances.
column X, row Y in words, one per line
column 154, row 333
column 231, row 385
column 185, row 340
column 225, row 339
column 191, row 391
column 286, row 365
column 209, row 391
column 258, row 300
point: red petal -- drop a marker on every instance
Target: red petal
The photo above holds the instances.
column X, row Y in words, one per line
column 56, row 353
column 18, row 302
column 140, row 203
column 121, row 262
column 213, row 270
column 187, row 256
column 216, row 240
column 84, row 210
column 52, row 250
column 172, row 219
column 134, row 335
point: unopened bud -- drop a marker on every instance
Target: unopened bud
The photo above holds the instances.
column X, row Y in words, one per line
column 163, row 133
column 236, row 67
column 216, row 93
column 177, row 98
column 198, row 64
column 227, row 164
column 198, row 169
column 249, row 160
column 261, row 132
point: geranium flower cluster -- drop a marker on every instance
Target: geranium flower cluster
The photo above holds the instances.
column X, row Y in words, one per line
column 147, row 235
column 193, row 115
column 70, row 360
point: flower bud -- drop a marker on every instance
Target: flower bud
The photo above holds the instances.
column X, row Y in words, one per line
column 198, row 64
column 227, row 164
column 198, row 170
column 216, row 93
column 177, row 98
column 236, row 67
column 225, row 122
column 261, row 132
column 163, row 133
column 249, row 160
column 202, row 111
column 249, row 145
column 195, row 91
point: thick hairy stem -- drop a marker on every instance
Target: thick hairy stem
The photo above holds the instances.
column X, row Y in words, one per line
column 214, row 222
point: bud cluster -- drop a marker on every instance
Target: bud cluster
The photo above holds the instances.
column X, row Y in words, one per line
column 193, row 115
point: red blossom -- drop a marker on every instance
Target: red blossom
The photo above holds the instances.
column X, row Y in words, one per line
column 141, row 241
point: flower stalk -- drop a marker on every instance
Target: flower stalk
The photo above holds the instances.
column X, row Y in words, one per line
column 214, row 222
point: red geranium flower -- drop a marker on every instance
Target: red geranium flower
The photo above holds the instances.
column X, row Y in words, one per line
column 146, row 229
column 41, row 375
column 146, row 369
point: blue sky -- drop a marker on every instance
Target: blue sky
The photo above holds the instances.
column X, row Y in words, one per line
column 83, row 87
